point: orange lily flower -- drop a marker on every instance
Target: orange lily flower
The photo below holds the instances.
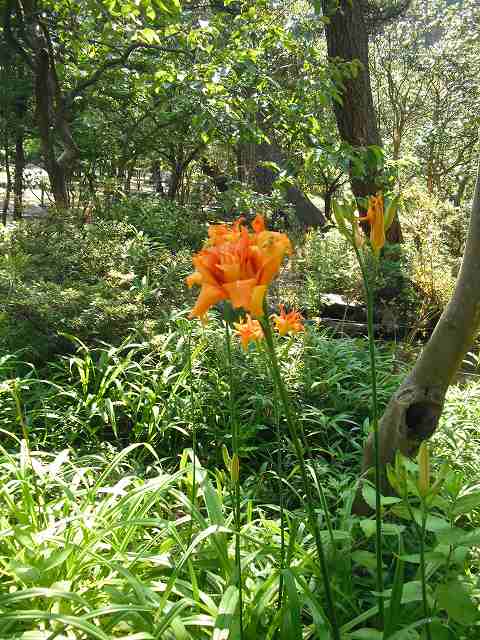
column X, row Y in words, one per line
column 222, row 233
column 288, row 322
column 248, row 331
column 375, row 217
column 238, row 266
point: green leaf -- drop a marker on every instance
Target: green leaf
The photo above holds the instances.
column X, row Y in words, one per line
column 432, row 556
column 467, row 503
column 391, row 207
column 58, row 557
column 457, row 536
column 368, row 493
column 454, row 597
column 367, row 634
column 395, row 605
column 439, row 631
column 412, row 592
column 365, row 559
column 149, row 36
column 368, row 527
column 226, row 623
column 171, row 7
column 292, row 627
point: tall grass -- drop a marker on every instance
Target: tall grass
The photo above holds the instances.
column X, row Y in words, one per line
column 111, row 527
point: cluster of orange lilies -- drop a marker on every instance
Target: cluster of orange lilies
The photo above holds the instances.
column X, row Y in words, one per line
column 237, row 265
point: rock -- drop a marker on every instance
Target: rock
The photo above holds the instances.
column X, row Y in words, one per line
column 336, row 306
column 35, row 176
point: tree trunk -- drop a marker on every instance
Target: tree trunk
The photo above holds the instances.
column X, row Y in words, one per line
column 175, row 181
column 19, row 167
column 462, row 185
column 347, row 40
column 413, row 412
column 44, row 99
column 8, row 187
column 157, row 178
column 51, row 108
column 263, row 179
column 128, row 179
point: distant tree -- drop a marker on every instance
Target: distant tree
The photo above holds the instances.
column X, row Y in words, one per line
column 426, row 69
column 347, row 32
column 52, row 37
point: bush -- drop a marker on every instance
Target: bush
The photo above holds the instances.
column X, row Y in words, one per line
column 97, row 281
column 240, row 200
column 173, row 225
column 328, row 265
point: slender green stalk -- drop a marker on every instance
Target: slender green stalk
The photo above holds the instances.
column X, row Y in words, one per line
column 376, row 444
column 19, row 410
column 426, row 608
column 194, row 436
column 323, row 500
column 420, row 530
column 278, row 432
column 235, row 476
column 294, row 435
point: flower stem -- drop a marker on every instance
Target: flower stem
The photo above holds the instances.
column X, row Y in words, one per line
column 294, row 435
column 278, row 431
column 376, row 443
column 235, row 477
column 194, row 436
column 426, row 608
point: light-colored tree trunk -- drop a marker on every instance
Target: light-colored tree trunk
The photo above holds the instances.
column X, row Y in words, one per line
column 413, row 412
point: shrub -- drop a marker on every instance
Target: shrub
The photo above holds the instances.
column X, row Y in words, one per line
column 97, row 281
column 173, row 225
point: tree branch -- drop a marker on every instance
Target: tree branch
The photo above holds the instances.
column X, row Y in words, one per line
column 7, row 24
column 118, row 62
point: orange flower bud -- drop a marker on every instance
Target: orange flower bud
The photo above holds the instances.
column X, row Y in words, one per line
column 288, row 322
column 248, row 331
column 375, row 217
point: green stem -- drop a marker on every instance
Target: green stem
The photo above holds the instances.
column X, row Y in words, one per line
column 236, row 480
column 293, row 430
column 278, row 432
column 194, row 436
column 20, row 416
column 426, row 608
column 376, row 443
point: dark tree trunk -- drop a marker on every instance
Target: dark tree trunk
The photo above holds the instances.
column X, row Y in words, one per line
column 8, row 187
column 19, row 167
column 462, row 185
column 51, row 107
column 220, row 180
column 128, row 179
column 157, row 178
column 263, row 178
column 347, row 40
column 44, row 95
column 175, row 181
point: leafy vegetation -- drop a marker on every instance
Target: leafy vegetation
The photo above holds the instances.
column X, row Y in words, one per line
column 159, row 477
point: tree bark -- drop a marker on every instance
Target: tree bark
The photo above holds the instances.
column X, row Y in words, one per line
column 413, row 412
column 51, row 106
column 347, row 40
column 8, row 187
column 49, row 119
column 19, row 167
column 263, row 179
